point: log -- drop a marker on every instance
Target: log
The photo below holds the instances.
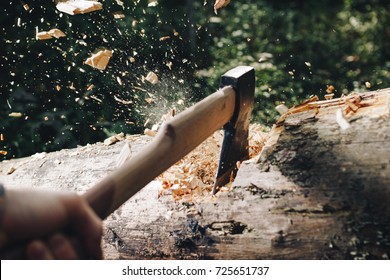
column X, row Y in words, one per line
column 319, row 189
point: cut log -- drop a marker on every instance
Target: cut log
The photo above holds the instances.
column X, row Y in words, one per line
column 319, row 189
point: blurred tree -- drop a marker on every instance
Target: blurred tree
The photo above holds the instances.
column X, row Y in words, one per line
column 298, row 48
column 64, row 102
column 301, row 47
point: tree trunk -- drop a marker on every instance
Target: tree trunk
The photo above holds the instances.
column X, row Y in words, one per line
column 319, row 189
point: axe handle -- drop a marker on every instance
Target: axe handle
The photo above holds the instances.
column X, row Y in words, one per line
column 174, row 140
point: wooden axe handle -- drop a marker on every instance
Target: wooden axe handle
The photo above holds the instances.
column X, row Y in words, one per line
column 175, row 139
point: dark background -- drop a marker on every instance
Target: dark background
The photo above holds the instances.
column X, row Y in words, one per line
column 298, row 48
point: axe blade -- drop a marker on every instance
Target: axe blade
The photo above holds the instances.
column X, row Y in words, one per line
column 235, row 142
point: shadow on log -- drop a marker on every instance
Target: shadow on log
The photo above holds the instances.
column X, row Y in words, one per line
column 320, row 189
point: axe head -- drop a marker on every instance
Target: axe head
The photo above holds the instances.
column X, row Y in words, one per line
column 235, row 142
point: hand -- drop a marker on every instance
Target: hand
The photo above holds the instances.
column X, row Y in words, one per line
column 49, row 225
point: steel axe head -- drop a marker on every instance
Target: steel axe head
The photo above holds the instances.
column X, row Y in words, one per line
column 235, row 142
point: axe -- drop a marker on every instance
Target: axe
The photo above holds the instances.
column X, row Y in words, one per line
column 230, row 107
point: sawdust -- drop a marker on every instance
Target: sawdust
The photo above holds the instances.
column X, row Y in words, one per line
column 192, row 178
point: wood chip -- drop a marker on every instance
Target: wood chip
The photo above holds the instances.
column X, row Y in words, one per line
column 329, row 96
column 118, row 15
column 152, row 3
column 96, row 98
column 113, row 139
column 150, row 132
column 4, row 153
column 74, row 7
column 169, row 64
column 218, row 4
column 120, row 3
column 11, row 170
column 149, row 100
column 152, row 78
column 125, row 102
column 15, row 115
column 352, row 106
column 124, row 155
column 45, row 35
column 281, row 108
column 55, row 32
column 99, row 60
column 330, row 89
column 165, row 38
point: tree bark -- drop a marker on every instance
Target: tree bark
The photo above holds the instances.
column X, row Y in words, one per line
column 319, row 189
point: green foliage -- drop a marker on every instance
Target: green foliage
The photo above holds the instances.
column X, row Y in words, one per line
column 298, row 48
column 64, row 102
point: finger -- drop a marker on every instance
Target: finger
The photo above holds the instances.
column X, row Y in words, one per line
column 92, row 235
column 37, row 250
column 94, row 238
column 62, row 248
column 88, row 226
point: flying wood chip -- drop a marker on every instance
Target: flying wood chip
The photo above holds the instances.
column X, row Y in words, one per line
column 118, row 15
column 99, row 60
column 15, row 115
column 218, row 4
column 152, row 78
column 74, row 7
column 44, row 35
